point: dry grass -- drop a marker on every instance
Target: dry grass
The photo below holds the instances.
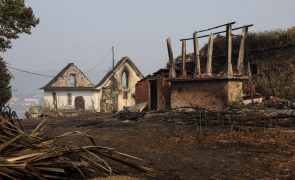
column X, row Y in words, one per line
column 28, row 156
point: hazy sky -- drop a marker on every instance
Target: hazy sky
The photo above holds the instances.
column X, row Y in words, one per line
column 83, row 31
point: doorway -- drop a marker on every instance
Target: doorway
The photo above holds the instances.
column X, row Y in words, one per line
column 115, row 103
column 79, row 103
column 153, row 95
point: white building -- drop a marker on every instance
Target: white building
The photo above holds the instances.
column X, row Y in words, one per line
column 71, row 89
column 31, row 101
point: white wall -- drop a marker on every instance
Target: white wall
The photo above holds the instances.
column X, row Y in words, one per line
column 90, row 98
column 97, row 98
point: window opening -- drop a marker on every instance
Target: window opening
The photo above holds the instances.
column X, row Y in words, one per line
column 72, row 80
column 124, row 79
column 69, row 99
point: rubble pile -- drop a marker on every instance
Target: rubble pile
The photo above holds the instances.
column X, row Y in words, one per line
column 270, row 102
column 132, row 113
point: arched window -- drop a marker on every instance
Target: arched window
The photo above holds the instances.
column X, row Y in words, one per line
column 72, row 80
column 124, row 79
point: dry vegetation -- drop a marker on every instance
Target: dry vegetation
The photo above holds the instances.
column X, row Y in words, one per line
column 28, row 156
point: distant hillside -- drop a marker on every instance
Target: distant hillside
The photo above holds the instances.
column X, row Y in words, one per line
column 257, row 41
column 267, row 40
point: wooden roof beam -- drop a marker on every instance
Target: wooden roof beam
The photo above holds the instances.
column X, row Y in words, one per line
column 220, row 32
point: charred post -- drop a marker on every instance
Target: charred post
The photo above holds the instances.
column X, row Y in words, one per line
column 183, row 67
column 172, row 72
column 209, row 55
column 229, row 72
column 197, row 72
column 240, row 66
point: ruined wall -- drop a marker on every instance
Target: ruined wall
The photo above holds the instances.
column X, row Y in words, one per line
column 163, row 92
column 81, row 79
column 235, row 92
column 142, row 91
column 106, row 100
column 211, row 94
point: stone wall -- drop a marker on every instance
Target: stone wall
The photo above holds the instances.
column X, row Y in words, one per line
column 235, row 92
column 163, row 92
column 81, row 79
column 142, row 91
column 212, row 94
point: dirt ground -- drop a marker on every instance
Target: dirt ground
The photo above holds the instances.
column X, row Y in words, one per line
column 178, row 151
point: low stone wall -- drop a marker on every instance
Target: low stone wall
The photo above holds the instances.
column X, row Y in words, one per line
column 212, row 94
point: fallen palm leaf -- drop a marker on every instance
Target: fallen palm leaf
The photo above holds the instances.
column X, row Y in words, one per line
column 27, row 156
column 36, row 131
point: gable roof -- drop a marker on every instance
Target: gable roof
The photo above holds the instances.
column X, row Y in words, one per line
column 119, row 63
column 49, row 85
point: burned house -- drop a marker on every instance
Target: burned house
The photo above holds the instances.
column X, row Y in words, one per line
column 197, row 86
column 71, row 89
column 117, row 89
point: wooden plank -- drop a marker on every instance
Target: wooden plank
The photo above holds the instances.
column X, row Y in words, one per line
column 183, row 67
column 209, row 55
column 197, row 71
column 240, row 66
column 216, row 27
column 172, row 72
column 229, row 72
column 217, row 33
